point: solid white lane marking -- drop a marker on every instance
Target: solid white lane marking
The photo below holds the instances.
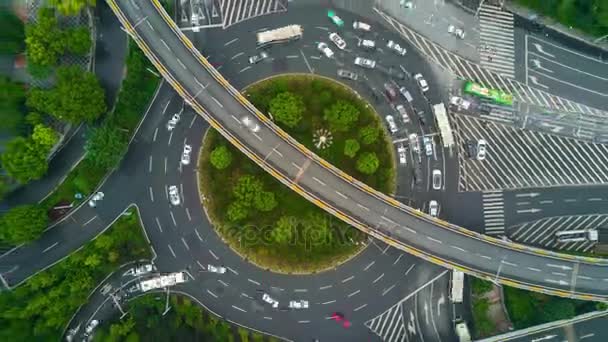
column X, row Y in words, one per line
column 213, row 254
column 50, row 247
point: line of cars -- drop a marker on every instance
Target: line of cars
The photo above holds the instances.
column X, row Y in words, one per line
column 293, row 304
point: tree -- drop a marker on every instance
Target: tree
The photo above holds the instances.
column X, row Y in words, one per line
column 44, row 39
column 368, row 163
column 24, row 160
column 246, row 189
column 106, row 146
column 12, row 33
column 23, row 224
column 369, row 134
column 220, row 157
column 12, row 97
column 284, row 229
column 341, row 116
column 77, row 97
column 351, row 147
column 78, row 40
column 556, row 309
column 237, row 212
column 45, row 136
column 287, row 108
column 264, row 201
column 71, row 7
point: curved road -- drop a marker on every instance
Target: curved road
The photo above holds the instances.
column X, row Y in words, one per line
column 439, row 242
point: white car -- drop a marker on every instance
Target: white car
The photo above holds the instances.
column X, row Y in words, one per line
column 142, row 269
column 249, row 123
column 91, row 326
column 348, row 74
column 173, row 121
column 298, row 304
column 401, row 109
column 421, row 82
column 367, row 44
column 436, row 179
column 414, row 142
column 186, row 154
column 402, row 154
column 359, row 25
column 325, row 50
column 258, row 58
column 428, row 146
column 336, row 39
column 433, row 208
column 391, row 124
column 458, row 32
column 174, row 195
column 273, row 302
column 396, row 48
column 365, row 63
column 216, row 269
column 481, row 149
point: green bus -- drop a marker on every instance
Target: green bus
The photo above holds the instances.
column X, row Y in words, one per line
column 498, row 96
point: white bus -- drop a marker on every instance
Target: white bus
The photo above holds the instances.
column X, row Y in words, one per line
column 280, row 35
column 577, row 235
column 462, row 331
column 457, row 286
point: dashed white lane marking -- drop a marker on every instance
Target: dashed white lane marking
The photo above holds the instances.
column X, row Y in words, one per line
column 322, row 28
column 244, row 69
column 173, row 218
column 193, row 119
column 150, row 165
column 198, row 235
column 201, row 265
column 303, row 322
column 165, row 165
column 165, row 44
column 458, row 248
column 559, row 274
column 341, row 194
column 213, row 254
column 370, row 265
column 257, row 136
column 533, row 269
column 188, row 214
column 171, row 250
column 347, row 279
column 363, row 207
column 50, row 247
column 181, row 64
column 584, row 277
column 222, row 282
column 409, row 269
column 318, row 181
column 325, row 287
column 185, row 244
column 89, row 221
column 246, row 295
column 253, row 282
column 388, row 289
column 151, row 194
column 268, row 318
column 211, row 293
column 329, row 302
column 230, row 42
column 237, row 55
column 300, row 290
column 398, row 258
column 155, row 133
column 434, row 240
column 359, row 307
column 411, row 230
column 158, row 224
column 377, row 279
column 169, row 142
column 237, row 308
column 388, row 220
column 231, row 270
column 354, row 293
column 508, row 263
column 487, row 257
column 217, row 102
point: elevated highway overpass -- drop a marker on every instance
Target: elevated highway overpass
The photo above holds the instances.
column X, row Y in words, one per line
column 381, row 216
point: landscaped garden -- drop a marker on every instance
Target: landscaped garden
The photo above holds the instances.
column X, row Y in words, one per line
column 265, row 221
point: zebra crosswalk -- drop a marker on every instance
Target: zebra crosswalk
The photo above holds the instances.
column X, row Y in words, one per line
column 497, row 49
column 389, row 325
column 493, row 212
column 199, row 14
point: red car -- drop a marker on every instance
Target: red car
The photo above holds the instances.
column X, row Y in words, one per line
column 339, row 317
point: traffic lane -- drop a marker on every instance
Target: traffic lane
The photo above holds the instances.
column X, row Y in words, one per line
column 568, row 75
column 589, row 329
column 431, row 312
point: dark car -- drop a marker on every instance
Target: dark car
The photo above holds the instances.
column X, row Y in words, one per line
column 390, row 91
column 470, row 148
column 417, row 174
column 421, row 117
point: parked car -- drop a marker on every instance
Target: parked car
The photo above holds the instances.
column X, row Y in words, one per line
column 273, row 302
column 348, row 74
column 406, row 94
column 470, row 148
column 414, row 144
column 396, row 48
column 391, row 124
column 262, row 55
column 433, row 208
column 390, row 91
column 216, row 269
column 365, row 63
column 367, row 44
column 421, row 82
column 459, row 102
column 401, row 151
column 91, row 326
column 421, row 117
column 428, row 146
column 337, row 40
column 174, row 197
column 417, row 174
column 325, row 50
column 298, row 304
column 481, row 149
column 359, row 25
column 437, row 180
column 401, row 109
column 186, row 154
column 173, row 121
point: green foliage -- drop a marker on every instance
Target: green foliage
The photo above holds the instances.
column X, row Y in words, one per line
column 246, row 189
column 480, row 286
column 237, row 212
column 368, row 163
column 24, row 160
column 71, row 7
column 44, row 136
column 284, row 229
column 221, row 157
column 590, row 16
column 12, row 97
column 34, row 118
column 264, row 201
column 287, row 108
column 484, row 326
column 341, row 116
column 4, row 186
column 106, row 146
column 351, row 147
column 23, row 224
column 77, row 97
column 12, row 34
column 44, row 40
column 78, row 40
column 369, row 134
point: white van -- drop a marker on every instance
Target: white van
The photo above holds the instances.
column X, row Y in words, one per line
column 367, row 44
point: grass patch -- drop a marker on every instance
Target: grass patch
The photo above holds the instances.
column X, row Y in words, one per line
column 186, row 321
column 316, row 240
column 482, row 324
column 39, row 309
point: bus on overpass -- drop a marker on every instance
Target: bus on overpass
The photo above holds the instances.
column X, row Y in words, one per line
column 497, row 96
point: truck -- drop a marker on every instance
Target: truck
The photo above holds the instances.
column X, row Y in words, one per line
column 460, row 103
column 577, row 235
column 457, row 286
column 280, row 35
column 462, row 331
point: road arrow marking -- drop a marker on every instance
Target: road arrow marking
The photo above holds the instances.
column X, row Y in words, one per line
column 529, row 211
column 540, row 49
column 536, row 82
column 440, row 301
column 537, row 64
column 560, row 282
column 563, row 267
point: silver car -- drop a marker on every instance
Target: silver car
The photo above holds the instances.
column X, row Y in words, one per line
column 249, row 123
column 258, row 58
column 396, row 48
column 347, row 74
column 421, row 82
column 174, row 195
column 437, row 179
column 433, row 208
column 391, row 124
column 365, row 63
column 186, row 154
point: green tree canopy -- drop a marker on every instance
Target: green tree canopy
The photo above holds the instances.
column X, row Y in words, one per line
column 368, row 163
column 265, row 201
column 284, row 229
column 12, row 97
column 341, row 116
column 45, row 136
column 78, row 40
column 351, row 147
column 369, row 134
column 12, row 33
column 220, row 157
column 24, row 160
column 23, row 224
column 71, row 7
column 237, row 212
column 77, row 97
column 44, row 39
column 246, row 189
column 287, row 108
column 106, row 146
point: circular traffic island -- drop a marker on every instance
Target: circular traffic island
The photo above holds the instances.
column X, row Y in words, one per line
column 263, row 220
